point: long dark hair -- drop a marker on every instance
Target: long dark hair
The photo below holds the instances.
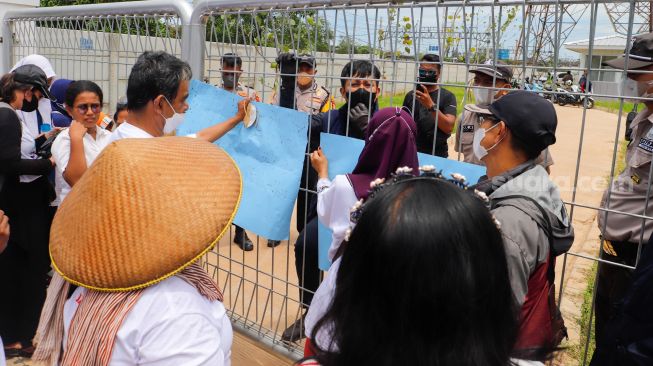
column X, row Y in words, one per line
column 423, row 281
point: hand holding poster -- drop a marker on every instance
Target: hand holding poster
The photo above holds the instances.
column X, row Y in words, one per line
column 269, row 154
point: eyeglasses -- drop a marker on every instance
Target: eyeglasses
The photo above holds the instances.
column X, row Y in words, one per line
column 83, row 108
column 487, row 117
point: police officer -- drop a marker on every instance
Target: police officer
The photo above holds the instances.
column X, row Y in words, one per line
column 309, row 96
column 497, row 78
column 232, row 69
column 628, row 192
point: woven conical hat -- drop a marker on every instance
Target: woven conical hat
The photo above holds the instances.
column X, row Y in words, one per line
column 145, row 210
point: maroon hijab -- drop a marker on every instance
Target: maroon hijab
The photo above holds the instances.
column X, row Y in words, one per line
column 389, row 144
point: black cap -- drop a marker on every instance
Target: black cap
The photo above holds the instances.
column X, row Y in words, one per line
column 499, row 70
column 34, row 76
column 306, row 59
column 639, row 56
column 529, row 117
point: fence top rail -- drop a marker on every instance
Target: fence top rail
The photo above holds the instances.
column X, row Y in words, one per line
column 160, row 7
column 186, row 11
column 205, row 6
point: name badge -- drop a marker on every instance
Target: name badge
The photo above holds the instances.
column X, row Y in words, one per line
column 468, row 128
column 646, row 144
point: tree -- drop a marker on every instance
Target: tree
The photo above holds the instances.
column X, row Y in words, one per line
column 142, row 26
column 347, row 45
column 301, row 31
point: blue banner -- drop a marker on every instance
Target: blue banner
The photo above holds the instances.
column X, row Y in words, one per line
column 270, row 156
column 342, row 153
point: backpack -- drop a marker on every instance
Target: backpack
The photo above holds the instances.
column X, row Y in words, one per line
column 556, row 248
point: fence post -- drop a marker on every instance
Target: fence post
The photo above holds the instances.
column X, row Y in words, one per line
column 193, row 42
column 7, row 49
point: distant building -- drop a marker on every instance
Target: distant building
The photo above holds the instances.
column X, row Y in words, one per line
column 605, row 80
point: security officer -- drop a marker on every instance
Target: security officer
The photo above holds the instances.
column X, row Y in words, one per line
column 488, row 75
column 309, row 96
column 622, row 234
column 232, row 69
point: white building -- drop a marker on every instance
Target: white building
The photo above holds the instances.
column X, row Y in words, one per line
column 605, row 80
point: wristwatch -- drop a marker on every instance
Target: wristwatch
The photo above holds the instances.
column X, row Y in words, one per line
column 433, row 108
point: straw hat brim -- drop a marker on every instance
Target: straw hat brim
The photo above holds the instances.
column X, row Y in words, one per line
column 145, row 210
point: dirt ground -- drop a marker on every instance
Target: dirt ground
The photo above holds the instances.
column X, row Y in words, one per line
column 267, row 308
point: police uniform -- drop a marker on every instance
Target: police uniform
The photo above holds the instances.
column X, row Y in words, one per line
column 467, row 124
column 313, row 100
column 622, row 234
column 245, row 92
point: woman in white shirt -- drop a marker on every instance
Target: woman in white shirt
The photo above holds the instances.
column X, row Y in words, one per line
column 389, row 145
column 75, row 148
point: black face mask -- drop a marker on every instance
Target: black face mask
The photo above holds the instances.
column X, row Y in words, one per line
column 361, row 96
column 427, row 76
column 30, row 106
column 229, row 80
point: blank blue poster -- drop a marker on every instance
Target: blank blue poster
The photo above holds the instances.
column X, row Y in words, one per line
column 270, row 156
column 343, row 153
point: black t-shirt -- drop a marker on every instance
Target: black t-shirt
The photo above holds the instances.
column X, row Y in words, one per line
column 426, row 121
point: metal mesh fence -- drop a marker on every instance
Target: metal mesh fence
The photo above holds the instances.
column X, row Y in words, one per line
column 98, row 48
column 539, row 40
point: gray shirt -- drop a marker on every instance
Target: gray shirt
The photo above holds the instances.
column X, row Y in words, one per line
column 628, row 191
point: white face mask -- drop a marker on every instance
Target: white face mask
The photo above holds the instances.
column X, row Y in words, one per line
column 634, row 89
column 174, row 121
column 483, row 96
column 479, row 151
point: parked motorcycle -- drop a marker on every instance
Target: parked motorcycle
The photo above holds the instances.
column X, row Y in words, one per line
column 572, row 97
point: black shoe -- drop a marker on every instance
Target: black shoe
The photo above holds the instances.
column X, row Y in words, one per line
column 273, row 243
column 296, row 331
column 242, row 240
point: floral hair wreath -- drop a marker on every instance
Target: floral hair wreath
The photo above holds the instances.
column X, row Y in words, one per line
column 404, row 174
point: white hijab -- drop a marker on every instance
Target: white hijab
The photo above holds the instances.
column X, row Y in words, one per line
column 45, row 108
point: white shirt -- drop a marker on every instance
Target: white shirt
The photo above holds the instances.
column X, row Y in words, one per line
column 32, row 121
column 61, row 154
column 170, row 324
column 127, row 130
column 334, row 202
column 28, row 147
column 2, row 354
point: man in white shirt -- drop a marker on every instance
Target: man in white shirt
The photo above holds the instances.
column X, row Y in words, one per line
column 156, row 99
column 142, row 298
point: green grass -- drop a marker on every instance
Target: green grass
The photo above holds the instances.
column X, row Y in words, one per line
column 612, row 106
